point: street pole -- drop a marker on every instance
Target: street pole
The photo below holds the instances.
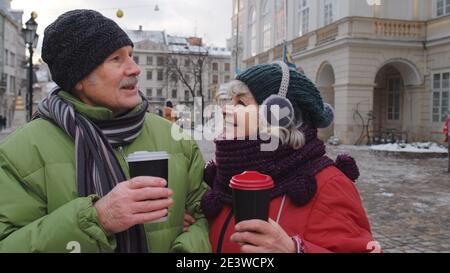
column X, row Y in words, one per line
column 30, row 83
column 30, row 37
column 448, row 131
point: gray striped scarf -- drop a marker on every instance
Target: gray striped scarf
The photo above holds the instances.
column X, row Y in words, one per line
column 98, row 170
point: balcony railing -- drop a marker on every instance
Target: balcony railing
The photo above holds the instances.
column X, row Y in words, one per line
column 366, row 28
column 327, row 34
column 389, row 28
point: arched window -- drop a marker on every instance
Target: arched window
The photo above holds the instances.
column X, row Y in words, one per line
column 266, row 25
column 252, row 31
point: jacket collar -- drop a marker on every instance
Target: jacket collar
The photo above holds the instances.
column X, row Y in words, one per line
column 92, row 112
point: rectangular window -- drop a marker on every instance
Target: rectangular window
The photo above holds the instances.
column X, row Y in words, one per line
column 149, row 74
column 215, row 66
column 6, row 56
column 279, row 21
column 227, row 67
column 442, row 7
column 303, row 15
column 440, row 96
column 174, row 93
column 215, row 79
column 187, row 94
column 160, row 76
column 187, row 63
column 13, row 59
column 13, row 84
column 227, row 79
column 160, row 61
column 136, row 59
column 149, row 60
column 266, row 19
column 159, row 92
column 174, row 77
column 305, row 21
column 149, row 92
column 328, row 12
column 394, row 98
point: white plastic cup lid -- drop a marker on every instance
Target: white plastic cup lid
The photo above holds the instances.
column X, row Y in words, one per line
column 147, row 156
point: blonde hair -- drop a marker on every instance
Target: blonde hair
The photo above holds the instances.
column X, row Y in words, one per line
column 291, row 135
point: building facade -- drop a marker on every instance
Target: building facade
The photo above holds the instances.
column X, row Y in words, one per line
column 159, row 55
column 384, row 65
column 12, row 59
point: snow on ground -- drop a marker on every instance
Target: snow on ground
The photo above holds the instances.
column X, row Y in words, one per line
column 422, row 147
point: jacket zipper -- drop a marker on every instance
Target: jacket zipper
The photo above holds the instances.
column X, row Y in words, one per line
column 125, row 162
column 122, row 153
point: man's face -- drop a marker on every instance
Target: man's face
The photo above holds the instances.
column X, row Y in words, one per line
column 113, row 84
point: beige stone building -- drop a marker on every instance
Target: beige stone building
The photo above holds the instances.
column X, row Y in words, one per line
column 378, row 62
column 12, row 59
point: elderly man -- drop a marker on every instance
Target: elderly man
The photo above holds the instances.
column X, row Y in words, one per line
column 64, row 181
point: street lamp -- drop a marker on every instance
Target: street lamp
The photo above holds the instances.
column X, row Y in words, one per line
column 31, row 38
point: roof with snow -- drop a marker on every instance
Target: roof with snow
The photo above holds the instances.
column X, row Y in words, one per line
column 154, row 36
column 176, row 44
column 219, row 51
column 174, row 40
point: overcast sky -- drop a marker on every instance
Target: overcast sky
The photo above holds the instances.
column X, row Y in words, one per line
column 176, row 17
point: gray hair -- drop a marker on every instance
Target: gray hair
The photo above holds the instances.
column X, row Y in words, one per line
column 291, row 135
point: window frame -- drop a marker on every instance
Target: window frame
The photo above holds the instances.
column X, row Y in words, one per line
column 443, row 95
column 302, row 14
column 394, row 105
column 442, row 6
column 252, row 29
column 280, row 21
column 160, row 75
column 149, row 60
column 266, row 26
column 328, row 12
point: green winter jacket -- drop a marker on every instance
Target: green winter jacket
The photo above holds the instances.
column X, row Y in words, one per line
column 40, row 210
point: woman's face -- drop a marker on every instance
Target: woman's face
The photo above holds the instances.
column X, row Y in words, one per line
column 241, row 117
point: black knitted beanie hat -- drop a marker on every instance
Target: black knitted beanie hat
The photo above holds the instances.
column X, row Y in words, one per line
column 77, row 42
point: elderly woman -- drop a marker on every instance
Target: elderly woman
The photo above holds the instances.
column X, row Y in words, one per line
column 315, row 206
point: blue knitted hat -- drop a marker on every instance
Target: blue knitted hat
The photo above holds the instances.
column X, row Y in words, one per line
column 264, row 80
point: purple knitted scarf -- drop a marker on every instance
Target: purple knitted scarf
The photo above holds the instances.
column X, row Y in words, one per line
column 293, row 171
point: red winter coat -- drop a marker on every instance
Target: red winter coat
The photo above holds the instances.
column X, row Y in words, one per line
column 445, row 131
column 334, row 220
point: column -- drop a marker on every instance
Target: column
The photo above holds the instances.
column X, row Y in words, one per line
column 348, row 126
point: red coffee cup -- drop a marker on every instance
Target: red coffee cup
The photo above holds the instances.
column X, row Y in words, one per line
column 251, row 195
